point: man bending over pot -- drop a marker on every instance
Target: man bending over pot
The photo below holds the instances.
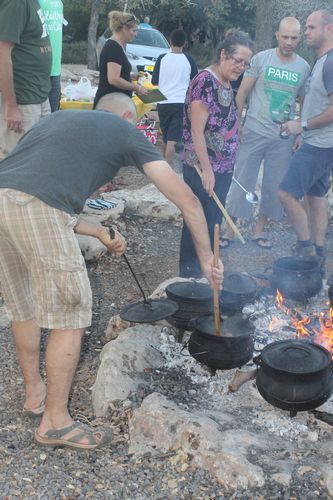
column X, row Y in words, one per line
column 44, row 183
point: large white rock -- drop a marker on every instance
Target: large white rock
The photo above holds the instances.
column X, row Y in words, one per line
column 159, row 425
column 92, row 249
column 146, row 202
column 122, row 363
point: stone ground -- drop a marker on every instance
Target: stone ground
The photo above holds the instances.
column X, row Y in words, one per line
column 28, row 471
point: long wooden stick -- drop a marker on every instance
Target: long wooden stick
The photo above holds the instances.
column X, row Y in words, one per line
column 224, row 211
column 216, row 287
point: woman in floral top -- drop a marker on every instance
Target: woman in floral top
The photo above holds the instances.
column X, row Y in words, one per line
column 210, row 137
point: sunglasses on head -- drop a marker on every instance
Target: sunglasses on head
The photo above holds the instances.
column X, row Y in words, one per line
column 131, row 19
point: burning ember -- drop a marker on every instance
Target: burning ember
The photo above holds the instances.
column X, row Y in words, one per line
column 319, row 326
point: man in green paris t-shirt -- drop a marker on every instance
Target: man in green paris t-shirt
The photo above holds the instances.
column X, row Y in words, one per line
column 52, row 11
column 274, row 80
column 25, row 62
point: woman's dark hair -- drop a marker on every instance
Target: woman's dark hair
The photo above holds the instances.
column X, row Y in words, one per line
column 232, row 38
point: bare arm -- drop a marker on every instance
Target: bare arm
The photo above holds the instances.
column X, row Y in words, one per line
column 319, row 121
column 13, row 115
column 243, row 93
column 199, row 118
column 177, row 191
column 116, row 245
column 115, row 79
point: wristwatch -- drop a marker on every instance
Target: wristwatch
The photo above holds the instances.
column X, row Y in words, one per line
column 304, row 125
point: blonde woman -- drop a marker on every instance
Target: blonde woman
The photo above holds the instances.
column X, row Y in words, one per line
column 115, row 68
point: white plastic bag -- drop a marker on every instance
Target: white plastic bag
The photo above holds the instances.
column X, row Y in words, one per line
column 82, row 91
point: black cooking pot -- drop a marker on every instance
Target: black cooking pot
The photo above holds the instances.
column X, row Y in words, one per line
column 296, row 278
column 239, row 289
column 233, row 348
column 196, row 299
column 295, row 375
column 193, row 299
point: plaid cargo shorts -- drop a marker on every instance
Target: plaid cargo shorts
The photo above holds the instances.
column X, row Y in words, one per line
column 42, row 271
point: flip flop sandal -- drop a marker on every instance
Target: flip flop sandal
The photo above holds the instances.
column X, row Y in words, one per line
column 34, row 412
column 225, row 242
column 56, row 437
column 262, row 242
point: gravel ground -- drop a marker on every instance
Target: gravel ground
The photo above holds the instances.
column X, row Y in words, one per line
column 29, row 471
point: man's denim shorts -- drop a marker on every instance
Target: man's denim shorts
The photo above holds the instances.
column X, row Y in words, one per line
column 308, row 172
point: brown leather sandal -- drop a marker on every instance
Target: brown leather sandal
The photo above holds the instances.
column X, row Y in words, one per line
column 96, row 437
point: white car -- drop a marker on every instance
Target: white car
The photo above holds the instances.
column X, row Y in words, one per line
column 143, row 51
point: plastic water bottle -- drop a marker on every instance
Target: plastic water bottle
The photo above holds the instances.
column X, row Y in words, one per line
column 286, row 117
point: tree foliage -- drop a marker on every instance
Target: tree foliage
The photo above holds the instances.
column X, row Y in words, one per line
column 258, row 17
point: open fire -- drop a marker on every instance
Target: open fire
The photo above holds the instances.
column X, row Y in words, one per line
column 318, row 326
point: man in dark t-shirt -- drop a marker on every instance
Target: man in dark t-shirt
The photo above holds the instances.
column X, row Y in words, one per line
column 44, row 183
column 25, row 62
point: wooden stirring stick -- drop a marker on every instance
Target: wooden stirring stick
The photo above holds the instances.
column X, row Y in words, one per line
column 224, row 211
column 216, row 287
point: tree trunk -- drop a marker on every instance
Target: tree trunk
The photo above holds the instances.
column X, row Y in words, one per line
column 264, row 24
column 92, row 32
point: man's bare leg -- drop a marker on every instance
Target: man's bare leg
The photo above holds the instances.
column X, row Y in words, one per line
column 297, row 215
column 318, row 218
column 27, row 342
column 62, row 356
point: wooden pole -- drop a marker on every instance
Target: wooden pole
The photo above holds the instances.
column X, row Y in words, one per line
column 216, row 287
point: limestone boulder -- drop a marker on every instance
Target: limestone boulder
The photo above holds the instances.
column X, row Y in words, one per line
column 122, row 365
column 146, row 202
column 159, row 426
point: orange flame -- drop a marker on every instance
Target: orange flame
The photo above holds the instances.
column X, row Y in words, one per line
column 323, row 334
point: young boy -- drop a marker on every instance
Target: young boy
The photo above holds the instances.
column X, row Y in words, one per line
column 172, row 73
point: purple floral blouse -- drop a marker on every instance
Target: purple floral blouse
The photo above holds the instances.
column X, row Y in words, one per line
column 221, row 131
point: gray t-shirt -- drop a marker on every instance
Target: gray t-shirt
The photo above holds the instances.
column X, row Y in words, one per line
column 68, row 155
column 277, row 85
column 317, row 90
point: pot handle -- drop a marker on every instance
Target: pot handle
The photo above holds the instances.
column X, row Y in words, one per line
column 257, row 360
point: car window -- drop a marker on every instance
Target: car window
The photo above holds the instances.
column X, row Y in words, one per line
column 151, row 38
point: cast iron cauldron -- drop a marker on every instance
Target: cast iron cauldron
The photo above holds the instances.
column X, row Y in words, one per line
column 296, row 278
column 295, row 375
column 193, row 299
column 239, row 289
column 233, row 348
column 196, row 299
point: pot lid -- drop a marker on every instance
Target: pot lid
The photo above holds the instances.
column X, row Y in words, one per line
column 238, row 283
column 150, row 311
column 234, row 326
column 189, row 290
column 296, row 356
column 296, row 264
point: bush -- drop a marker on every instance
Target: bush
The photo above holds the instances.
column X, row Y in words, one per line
column 203, row 55
column 74, row 53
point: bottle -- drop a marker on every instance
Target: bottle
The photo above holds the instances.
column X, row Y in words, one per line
column 286, row 117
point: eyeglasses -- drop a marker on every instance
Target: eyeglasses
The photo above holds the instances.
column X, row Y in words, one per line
column 240, row 62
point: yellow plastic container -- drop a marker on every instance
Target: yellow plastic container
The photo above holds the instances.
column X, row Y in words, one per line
column 141, row 108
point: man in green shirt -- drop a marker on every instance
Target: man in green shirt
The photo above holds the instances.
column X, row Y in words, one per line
column 54, row 19
column 25, row 62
